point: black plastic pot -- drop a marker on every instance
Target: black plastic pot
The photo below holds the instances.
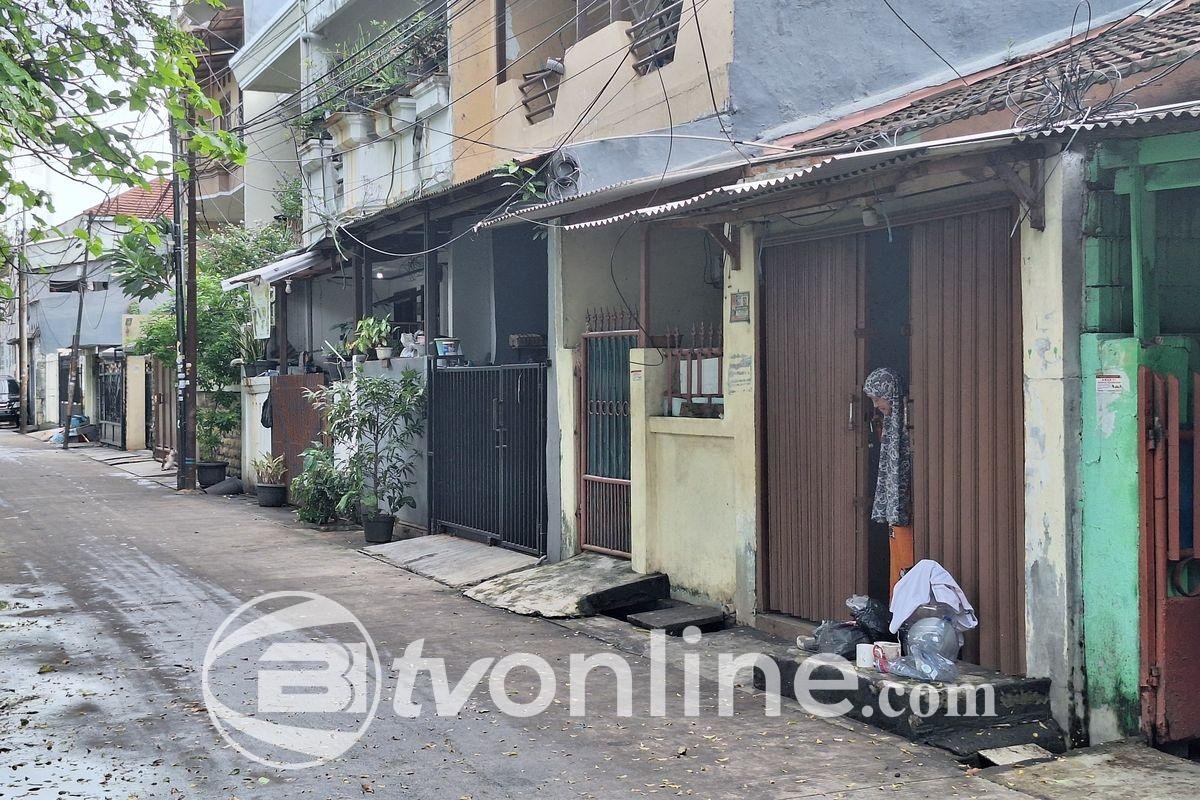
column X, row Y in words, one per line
column 378, row 530
column 209, row 473
column 271, row 495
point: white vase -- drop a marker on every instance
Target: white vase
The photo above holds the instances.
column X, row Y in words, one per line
column 383, row 352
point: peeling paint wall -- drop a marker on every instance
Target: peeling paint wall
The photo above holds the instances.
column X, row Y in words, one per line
column 1051, row 306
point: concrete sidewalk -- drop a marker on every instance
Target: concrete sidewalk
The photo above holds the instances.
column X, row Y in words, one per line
column 114, row 587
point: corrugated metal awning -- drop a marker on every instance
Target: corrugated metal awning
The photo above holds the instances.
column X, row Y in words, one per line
column 291, row 264
column 607, row 194
column 832, row 167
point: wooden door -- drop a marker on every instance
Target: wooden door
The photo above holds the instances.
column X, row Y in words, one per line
column 814, row 542
column 968, row 421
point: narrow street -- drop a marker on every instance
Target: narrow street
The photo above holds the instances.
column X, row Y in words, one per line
column 113, row 588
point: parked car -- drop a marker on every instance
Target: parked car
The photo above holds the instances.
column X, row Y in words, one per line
column 10, row 400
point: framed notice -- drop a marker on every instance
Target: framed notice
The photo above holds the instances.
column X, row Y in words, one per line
column 739, row 307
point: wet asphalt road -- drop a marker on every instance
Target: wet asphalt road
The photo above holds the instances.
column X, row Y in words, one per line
column 112, row 588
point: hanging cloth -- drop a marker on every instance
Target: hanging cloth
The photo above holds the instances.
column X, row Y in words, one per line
column 927, row 582
column 893, row 488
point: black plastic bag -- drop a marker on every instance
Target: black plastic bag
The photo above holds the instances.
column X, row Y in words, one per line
column 840, row 638
column 872, row 616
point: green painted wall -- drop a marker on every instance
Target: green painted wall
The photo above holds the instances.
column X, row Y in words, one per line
column 1109, row 491
column 1109, row 450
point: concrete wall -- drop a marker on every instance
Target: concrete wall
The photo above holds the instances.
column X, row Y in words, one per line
column 590, row 63
column 270, row 160
column 135, row 402
column 471, row 312
column 682, row 494
column 797, row 64
column 1051, row 306
column 256, row 439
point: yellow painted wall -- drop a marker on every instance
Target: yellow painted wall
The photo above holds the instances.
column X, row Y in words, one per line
column 682, row 492
column 493, row 113
column 135, row 402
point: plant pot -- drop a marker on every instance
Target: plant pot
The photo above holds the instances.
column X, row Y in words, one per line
column 271, row 495
column 378, row 530
column 210, row 473
column 383, row 352
column 257, row 368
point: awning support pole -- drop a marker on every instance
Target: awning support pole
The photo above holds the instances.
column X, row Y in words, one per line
column 1142, row 239
column 644, row 309
column 433, row 299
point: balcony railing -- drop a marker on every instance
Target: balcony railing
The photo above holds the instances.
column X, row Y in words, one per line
column 384, row 60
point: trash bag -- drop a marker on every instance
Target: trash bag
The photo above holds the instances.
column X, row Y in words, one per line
column 931, row 647
column 840, row 638
column 872, row 616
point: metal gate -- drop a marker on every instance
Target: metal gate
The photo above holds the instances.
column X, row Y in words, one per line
column 814, row 541
column 161, row 410
column 968, row 421
column 295, row 424
column 487, row 443
column 603, row 431
column 110, row 400
column 1170, row 585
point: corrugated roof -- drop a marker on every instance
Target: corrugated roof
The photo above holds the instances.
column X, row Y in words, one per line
column 608, row 194
column 844, row 166
column 150, row 203
column 1142, row 44
column 292, row 263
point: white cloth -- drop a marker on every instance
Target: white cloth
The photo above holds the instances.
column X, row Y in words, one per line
column 928, row 581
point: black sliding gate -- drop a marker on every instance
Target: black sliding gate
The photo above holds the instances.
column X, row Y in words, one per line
column 487, row 442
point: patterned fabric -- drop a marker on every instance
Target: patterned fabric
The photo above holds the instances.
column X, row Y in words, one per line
column 893, row 489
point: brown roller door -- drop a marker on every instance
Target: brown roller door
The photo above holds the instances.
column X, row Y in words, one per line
column 814, row 543
column 967, row 417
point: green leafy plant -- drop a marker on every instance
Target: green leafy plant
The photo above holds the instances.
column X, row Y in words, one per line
column 222, row 317
column 250, row 347
column 270, row 470
column 213, row 422
column 379, row 418
column 529, row 187
column 289, row 200
column 69, row 66
column 372, row 332
column 319, row 488
column 142, row 263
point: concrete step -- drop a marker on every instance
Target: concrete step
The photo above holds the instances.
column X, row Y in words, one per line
column 957, row 721
column 672, row 616
column 451, row 560
column 581, row 586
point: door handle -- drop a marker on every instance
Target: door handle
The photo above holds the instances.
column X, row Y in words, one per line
column 850, row 422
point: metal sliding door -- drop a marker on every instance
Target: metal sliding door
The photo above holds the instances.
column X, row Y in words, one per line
column 968, row 422
column 814, row 540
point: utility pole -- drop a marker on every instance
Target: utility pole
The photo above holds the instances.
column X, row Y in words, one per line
column 22, row 331
column 189, row 333
column 177, row 274
column 73, row 367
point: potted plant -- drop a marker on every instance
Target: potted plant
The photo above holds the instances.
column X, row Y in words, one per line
column 270, row 488
column 378, row 417
column 374, row 333
column 252, row 352
column 211, row 426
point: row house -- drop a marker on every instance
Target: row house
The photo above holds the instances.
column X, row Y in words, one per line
column 1024, row 266
column 664, row 243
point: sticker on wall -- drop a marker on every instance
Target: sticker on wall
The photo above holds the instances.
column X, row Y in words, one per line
column 739, row 307
column 741, row 373
column 1110, row 384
